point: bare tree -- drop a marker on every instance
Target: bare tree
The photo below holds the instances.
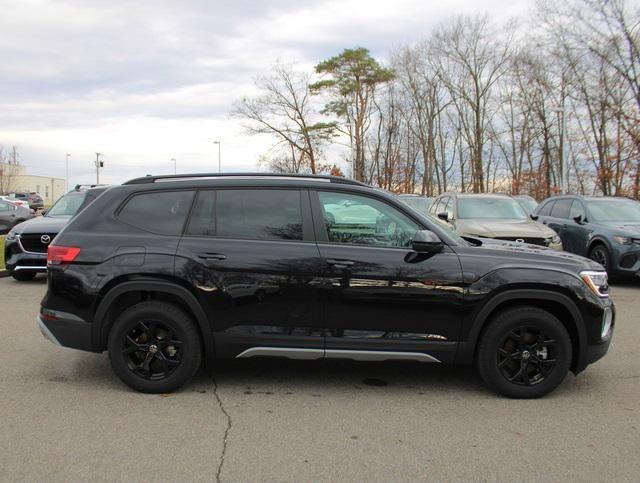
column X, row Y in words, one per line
column 284, row 109
column 10, row 166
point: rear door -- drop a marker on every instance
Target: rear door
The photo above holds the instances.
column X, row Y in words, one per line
column 559, row 219
column 250, row 255
column 7, row 216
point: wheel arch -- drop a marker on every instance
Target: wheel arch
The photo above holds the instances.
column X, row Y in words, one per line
column 599, row 240
column 555, row 303
column 126, row 294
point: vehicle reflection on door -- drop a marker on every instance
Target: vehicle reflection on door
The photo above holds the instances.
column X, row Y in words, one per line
column 367, row 288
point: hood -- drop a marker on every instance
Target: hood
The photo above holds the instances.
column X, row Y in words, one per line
column 629, row 227
column 516, row 254
column 504, row 228
column 42, row 224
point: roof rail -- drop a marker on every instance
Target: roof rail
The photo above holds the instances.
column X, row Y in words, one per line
column 190, row 177
column 88, row 186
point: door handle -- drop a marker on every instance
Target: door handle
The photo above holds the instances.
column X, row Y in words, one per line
column 212, row 256
column 340, row 263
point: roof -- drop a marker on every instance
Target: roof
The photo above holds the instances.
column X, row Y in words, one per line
column 246, row 176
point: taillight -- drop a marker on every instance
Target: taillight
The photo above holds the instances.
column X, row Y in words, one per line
column 59, row 255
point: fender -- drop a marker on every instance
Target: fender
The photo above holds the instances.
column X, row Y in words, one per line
column 599, row 239
column 467, row 349
column 156, row 286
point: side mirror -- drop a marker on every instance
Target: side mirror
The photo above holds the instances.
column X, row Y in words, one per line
column 578, row 219
column 534, row 217
column 444, row 216
column 426, row 241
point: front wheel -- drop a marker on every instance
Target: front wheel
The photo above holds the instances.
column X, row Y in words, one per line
column 23, row 276
column 600, row 254
column 154, row 347
column 525, row 352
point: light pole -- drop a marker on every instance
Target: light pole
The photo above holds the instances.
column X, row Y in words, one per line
column 67, row 172
column 99, row 164
column 219, row 162
column 563, row 150
column 175, row 166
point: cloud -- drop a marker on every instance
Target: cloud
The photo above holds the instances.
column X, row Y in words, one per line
column 147, row 81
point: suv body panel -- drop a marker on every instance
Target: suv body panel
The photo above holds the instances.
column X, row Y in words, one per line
column 327, row 308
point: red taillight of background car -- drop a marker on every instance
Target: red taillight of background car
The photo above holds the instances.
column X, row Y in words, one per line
column 60, row 255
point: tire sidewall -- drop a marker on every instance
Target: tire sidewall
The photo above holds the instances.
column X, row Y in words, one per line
column 494, row 335
column 174, row 319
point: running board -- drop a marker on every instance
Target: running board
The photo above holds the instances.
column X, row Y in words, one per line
column 357, row 355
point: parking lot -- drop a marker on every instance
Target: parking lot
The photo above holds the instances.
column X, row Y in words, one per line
column 65, row 416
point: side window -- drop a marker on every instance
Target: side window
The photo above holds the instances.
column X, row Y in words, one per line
column 434, row 206
column 449, row 206
column 546, row 208
column 577, row 209
column 203, row 217
column 5, row 206
column 262, row 214
column 360, row 220
column 561, row 209
column 163, row 212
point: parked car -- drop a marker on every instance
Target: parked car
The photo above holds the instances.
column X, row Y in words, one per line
column 417, row 202
column 605, row 229
column 528, row 203
column 494, row 216
column 15, row 201
column 34, row 199
column 25, row 248
column 11, row 215
column 144, row 272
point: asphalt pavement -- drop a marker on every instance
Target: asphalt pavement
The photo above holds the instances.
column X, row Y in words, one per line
column 64, row 416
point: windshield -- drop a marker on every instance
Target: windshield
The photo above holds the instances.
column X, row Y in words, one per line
column 417, row 203
column 490, row 208
column 622, row 210
column 68, row 205
column 528, row 204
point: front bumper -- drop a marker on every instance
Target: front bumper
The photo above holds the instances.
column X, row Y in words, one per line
column 17, row 259
column 626, row 259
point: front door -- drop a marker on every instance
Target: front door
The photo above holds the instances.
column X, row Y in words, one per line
column 379, row 295
column 251, row 257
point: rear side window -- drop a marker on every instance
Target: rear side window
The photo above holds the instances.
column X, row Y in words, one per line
column 162, row 212
column 546, row 208
column 561, row 209
column 249, row 214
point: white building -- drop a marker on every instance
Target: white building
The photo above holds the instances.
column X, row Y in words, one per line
column 15, row 178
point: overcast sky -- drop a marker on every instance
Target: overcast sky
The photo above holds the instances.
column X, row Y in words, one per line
column 146, row 81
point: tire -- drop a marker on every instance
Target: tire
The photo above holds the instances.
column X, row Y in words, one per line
column 23, row 276
column 544, row 349
column 154, row 347
column 600, row 254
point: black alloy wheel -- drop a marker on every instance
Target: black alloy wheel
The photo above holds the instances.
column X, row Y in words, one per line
column 600, row 254
column 524, row 352
column 154, row 347
column 526, row 356
column 152, row 350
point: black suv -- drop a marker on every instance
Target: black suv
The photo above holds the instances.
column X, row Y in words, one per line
column 166, row 271
column 25, row 248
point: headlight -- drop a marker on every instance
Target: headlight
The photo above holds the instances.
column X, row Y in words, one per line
column 597, row 282
column 623, row 240
column 556, row 240
column 11, row 235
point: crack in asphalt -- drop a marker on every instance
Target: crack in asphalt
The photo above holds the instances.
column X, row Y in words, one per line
column 226, row 431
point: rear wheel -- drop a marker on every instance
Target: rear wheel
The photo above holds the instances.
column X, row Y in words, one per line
column 154, row 347
column 23, row 276
column 525, row 352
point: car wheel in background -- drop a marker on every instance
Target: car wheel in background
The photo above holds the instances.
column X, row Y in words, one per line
column 22, row 276
column 600, row 254
column 525, row 352
column 154, row 347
